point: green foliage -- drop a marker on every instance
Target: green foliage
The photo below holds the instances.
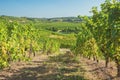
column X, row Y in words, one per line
column 105, row 29
column 60, row 27
column 19, row 37
column 15, row 38
column 86, row 44
column 51, row 46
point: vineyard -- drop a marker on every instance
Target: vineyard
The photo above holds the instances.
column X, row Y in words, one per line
column 62, row 47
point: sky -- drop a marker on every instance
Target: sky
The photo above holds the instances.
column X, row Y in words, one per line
column 47, row 8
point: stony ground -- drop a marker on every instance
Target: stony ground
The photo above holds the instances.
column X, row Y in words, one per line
column 59, row 67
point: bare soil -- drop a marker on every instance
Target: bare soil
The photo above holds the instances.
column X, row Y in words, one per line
column 59, row 67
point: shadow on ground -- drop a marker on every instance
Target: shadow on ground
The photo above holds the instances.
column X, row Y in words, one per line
column 59, row 67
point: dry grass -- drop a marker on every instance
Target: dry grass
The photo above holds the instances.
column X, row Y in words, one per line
column 59, row 67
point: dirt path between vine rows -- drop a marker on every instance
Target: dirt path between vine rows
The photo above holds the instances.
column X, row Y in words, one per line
column 59, row 67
